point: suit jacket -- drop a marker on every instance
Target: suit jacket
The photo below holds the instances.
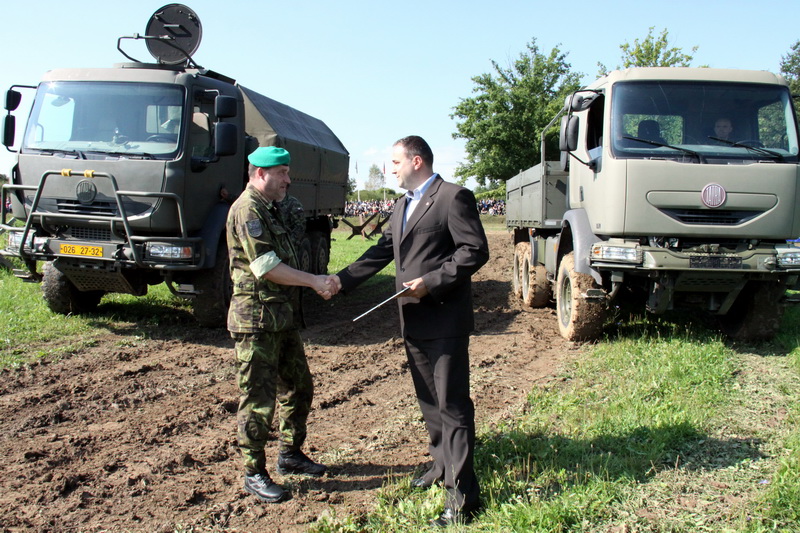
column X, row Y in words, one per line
column 444, row 243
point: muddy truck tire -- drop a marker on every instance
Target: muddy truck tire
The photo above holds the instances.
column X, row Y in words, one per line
column 320, row 252
column 580, row 318
column 215, row 288
column 536, row 289
column 304, row 255
column 62, row 296
column 521, row 250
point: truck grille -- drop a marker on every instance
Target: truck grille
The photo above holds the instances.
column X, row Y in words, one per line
column 73, row 207
column 711, row 217
column 90, row 234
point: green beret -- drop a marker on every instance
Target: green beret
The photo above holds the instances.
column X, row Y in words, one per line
column 269, row 156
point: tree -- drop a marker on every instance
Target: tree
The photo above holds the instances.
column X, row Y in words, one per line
column 790, row 69
column 351, row 186
column 375, row 179
column 651, row 52
column 503, row 121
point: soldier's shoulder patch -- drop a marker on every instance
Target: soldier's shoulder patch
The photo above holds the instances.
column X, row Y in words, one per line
column 254, row 228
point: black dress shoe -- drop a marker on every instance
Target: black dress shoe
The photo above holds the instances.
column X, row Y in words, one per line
column 452, row 517
column 262, row 487
column 424, row 482
column 427, row 480
column 298, row 463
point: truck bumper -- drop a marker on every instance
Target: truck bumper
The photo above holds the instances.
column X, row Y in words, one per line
column 710, row 279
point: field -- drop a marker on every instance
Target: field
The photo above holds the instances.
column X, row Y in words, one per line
column 124, row 421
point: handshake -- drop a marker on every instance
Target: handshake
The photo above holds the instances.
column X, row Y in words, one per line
column 327, row 286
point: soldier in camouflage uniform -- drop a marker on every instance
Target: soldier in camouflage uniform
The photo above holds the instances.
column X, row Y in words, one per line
column 264, row 319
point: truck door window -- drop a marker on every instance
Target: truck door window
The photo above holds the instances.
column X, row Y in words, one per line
column 201, row 125
column 594, row 123
column 200, row 135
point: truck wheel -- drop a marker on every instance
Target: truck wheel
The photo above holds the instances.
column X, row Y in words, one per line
column 320, row 252
column 579, row 318
column 536, row 290
column 214, row 289
column 521, row 250
column 63, row 297
column 757, row 312
column 304, row 255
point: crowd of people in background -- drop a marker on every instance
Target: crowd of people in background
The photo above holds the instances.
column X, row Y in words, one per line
column 384, row 207
column 369, row 207
column 492, row 207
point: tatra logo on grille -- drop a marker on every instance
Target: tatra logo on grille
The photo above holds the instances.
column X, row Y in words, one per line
column 713, row 195
column 86, row 191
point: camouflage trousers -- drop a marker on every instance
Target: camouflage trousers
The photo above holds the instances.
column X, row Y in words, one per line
column 272, row 366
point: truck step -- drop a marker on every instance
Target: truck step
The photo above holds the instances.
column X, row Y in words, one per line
column 26, row 275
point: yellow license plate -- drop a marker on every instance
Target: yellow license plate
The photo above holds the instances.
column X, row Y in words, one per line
column 85, row 251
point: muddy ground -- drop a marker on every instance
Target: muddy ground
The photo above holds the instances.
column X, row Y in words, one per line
column 136, row 433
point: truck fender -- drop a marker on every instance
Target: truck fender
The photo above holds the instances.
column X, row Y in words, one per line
column 212, row 231
column 576, row 224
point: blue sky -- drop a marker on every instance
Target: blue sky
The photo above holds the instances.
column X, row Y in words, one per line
column 377, row 71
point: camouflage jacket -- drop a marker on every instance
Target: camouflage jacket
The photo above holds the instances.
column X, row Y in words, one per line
column 294, row 217
column 255, row 228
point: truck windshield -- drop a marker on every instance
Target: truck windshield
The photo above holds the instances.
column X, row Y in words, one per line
column 105, row 119
column 704, row 122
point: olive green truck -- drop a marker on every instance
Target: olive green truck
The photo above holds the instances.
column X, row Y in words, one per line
column 677, row 188
column 121, row 175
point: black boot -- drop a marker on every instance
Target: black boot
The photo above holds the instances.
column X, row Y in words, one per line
column 296, row 462
column 262, row 487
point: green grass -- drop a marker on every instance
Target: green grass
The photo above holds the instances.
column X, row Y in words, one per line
column 30, row 331
column 661, row 428
column 344, row 251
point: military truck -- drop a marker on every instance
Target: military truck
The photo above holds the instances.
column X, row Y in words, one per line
column 652, row 205
column 121, row 174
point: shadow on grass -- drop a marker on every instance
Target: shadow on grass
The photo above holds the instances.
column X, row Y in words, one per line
column 546, row 464
column 697, row 326
column 170, row 318
column 346, row 477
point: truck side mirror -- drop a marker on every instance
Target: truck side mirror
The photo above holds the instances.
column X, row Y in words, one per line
column 9, row 128
column 576, row 102
column 225, row 135
column 13, row 98
column 568, row 136
column 225, row 106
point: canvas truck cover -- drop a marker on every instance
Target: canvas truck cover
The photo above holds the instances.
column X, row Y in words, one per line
column 320, row 162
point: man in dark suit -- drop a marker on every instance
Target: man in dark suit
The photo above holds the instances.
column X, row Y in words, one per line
column 437, row 243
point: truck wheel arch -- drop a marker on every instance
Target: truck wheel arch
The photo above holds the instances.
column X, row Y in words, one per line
column 577, row 236
column 213, row 232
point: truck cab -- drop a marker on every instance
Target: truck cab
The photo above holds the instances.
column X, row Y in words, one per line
column 679, row 187
column 123, row 173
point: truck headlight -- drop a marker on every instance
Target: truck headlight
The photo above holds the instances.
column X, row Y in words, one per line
column 616, row 253
column 788, row 257
column 157, row 250
column 15, row 238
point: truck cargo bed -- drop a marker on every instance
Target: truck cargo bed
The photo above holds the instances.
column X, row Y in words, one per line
column 528, row 206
